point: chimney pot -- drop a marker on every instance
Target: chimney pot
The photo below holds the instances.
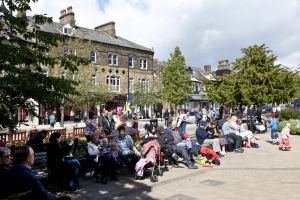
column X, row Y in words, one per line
column 63, row 12
column 69, row 9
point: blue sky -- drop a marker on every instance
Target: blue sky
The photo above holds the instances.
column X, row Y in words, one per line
column 206, row 30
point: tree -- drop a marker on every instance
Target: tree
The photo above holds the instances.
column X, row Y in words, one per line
column 255, row 79
column 176, row 83
column 24, row 51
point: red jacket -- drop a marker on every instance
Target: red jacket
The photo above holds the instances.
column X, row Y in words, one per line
column 208, row 151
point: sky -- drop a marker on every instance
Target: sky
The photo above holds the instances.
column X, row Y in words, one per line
column 206, row 30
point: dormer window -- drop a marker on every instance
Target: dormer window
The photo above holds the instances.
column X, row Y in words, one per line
column 67, row 29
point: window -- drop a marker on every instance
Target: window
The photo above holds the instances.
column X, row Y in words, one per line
column 113, row 83
column 131, row 85
column 130, row 62
column 112, row 59
column 93, row 79
column 67, row 31
column 143, row 64
column 93, row 57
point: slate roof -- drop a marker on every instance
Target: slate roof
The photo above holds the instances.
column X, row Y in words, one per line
column 93, row 35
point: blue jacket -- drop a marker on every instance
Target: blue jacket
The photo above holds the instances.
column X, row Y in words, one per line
column 23, row 182
column 201, row 135
column 274, row 124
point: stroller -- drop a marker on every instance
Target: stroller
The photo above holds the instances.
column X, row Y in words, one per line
column 260, row 125
column 150, row 159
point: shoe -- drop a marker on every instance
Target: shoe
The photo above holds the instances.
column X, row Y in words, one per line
column 175, row 156
column 192, row 166
column 220, row 155
column 239, row 151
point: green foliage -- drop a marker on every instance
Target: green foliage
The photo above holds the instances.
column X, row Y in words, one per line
column 255, row 79
column 289, row 113
column 144, row 96
column 24, row 50
column 295, row 125
column 176, row 83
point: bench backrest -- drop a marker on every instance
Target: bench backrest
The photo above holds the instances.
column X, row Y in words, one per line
column 61, row 131
column 77, row 132
column 17, row 137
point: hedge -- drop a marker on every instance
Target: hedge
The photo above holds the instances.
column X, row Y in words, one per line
column 295, row 126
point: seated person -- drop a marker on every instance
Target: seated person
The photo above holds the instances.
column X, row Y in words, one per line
column 245, row 134
column 129, row 154
column 60, row 162
column 167, row 145
column 36, row 141
column 230, row 129
column 214, row 132
column 210, row 155
column 103, row 157
column 23, row 184
column 183, row 147
column 205, row 139
column 4, row 171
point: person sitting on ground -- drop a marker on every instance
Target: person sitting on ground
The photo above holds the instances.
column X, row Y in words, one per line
column 102, row 157
column 5, row 169
column 61, row 163
column 210, row 155
column 229, row 130
column 22, row 183
column 205, row 139
column 129, row 154
column 213, row 130
column 36, row 141
column 90, row 125
column 183, row 146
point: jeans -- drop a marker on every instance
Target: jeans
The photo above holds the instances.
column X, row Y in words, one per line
column 130, row 160
column 185, row 143
column 182, row 128
column 274, row 134
column 73, row 173
column 184, row 154
column 108, row 166
column 238, row 140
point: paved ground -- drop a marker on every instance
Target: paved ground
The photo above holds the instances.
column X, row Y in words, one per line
column 265, row 173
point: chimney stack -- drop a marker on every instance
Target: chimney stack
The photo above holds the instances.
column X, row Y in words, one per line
column 107, row 28
column 207, row 68
column 67, row 16
column 224, row 64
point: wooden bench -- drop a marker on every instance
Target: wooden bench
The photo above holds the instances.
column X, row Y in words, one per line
column 78, row 132
column 62, row 131
column 17, row 137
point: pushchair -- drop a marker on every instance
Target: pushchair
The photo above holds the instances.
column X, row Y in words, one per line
column 150, row 159
column 260, row 125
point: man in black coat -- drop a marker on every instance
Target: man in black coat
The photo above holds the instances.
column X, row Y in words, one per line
column 4, row 171
column 22, row 182
column 103, row 122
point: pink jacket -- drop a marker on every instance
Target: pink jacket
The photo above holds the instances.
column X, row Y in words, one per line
column 148, row 145
column 285, row 133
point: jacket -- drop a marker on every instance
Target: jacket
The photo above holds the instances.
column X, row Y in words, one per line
column 23, row 182
column 207, row 151
column 274, row 124
column 148, row 145
column 228, row 128
column 103, row 122
column 201, row 135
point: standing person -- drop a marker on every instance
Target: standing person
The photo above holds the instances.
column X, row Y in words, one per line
column 250, row 118
column 166, row 117
column 103, row 122
column 221, row 112
column 198, row 116
column 172, row 112
column 90, row 125
column 204, row 113
column 46, row 118
column 257, row 113
column 52, row 119
column 285, row 138
column 181, row 122
column 72, row 115
column 274, row 129
column 23, row 183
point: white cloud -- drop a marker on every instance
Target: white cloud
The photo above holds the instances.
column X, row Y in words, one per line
column 206, row 30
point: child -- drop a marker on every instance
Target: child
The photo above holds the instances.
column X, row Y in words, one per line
column 274, row 129
column 211, row 156
column 285, row 138
column 115, row 150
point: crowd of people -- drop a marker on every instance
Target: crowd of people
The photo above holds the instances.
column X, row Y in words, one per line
column 213, row 139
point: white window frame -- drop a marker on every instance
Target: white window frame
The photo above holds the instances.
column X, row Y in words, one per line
column 132, row 62
column 143, row 64
column 113, row 83
column 131, row 85
column 94, row 79
column 113, row 59
column 93, row 56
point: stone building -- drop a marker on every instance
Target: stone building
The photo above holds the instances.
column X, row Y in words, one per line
column 115, row 62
